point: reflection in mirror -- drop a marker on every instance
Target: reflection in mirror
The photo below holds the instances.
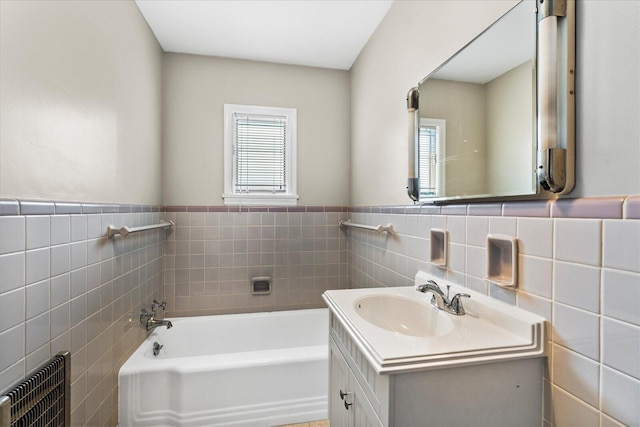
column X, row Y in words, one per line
column 477, row 115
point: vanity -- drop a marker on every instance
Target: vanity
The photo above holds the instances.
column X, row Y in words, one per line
column 396, row 360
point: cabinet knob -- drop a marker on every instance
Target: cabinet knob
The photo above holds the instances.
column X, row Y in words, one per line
column 343, row 396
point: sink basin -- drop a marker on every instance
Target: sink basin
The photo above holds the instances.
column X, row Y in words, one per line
column 403, row 315
column 398, row 330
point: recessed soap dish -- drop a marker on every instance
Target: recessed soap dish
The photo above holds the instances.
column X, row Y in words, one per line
column 260, row 285
column 439, row 240
column 502, row 260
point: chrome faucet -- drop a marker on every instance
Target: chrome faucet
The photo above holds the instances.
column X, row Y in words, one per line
column 153, row 323
column 148, row 319
column 442, row 301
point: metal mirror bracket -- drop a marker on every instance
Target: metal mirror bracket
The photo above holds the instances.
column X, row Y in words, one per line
column 556, row 102
column 413, row 183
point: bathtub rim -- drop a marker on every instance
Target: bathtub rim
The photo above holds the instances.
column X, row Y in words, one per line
column 139, row 362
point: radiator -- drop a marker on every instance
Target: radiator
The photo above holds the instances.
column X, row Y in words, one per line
column 43, row 399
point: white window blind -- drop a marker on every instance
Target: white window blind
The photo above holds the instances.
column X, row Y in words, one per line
column 427, row 159
column 260, row 153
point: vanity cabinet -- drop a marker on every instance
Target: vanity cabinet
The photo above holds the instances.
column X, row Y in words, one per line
column 507, row 393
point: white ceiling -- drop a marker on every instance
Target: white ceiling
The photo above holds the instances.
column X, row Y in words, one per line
column 317, row 33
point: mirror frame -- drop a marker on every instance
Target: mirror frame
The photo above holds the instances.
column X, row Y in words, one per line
column 555, row 109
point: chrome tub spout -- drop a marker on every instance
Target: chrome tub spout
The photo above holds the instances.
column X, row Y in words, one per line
column 148, row 319
column 153, row 323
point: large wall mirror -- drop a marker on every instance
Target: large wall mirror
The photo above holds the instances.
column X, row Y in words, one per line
column 496, row 119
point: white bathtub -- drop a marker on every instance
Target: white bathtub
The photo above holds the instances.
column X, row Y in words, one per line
column 260, row 369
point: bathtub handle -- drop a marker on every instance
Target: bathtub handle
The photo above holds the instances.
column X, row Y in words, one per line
column 347, row 404
column 343, row 395
column 156, row 304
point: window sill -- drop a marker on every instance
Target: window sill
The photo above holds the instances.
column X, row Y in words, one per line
column 260, row 200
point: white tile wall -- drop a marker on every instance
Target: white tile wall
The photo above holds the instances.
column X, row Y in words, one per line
column 12, row 308
column 457, row 257
column 606, row 421
column 38, row 265
column 60, row 291
column 502, row 225
column 477, row 230
column 576, row 374
column 11, row 271
column 577, row 329
column 620, row 295
column 12, row 230
column 583, row 275
column 63, row 286
column 621, row 346
column 60, row 260
column 621, row 244
column 578, row 240
column 12, row 341
column 37, row 332
column 477, row 262
column 457, row 225
column 78, row 228
column 60, row 229
column 577, row 285
column 535, row 236
column 38, row 298
column 38, row 234
column 78, row 254
column 569, row 411
column 619, row 396
column 535, row 274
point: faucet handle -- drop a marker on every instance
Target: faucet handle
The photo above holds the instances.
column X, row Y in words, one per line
column 456, row 304
column 156, row 304
column 145, row 316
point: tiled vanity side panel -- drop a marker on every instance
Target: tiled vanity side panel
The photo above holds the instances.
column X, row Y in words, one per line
column 213, row 253
column 579, row 268
column 65, row 286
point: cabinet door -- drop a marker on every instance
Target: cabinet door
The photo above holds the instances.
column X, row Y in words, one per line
column 339, row 390
column 363, row 413
column 348, row 405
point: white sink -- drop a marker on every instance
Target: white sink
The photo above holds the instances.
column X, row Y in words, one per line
column 397, row 329
column 403, row 315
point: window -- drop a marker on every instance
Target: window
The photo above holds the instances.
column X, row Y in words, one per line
column 260, row 155
column 431, row 137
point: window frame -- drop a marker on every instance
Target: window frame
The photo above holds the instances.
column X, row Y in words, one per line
column 440, row 154
column 257, row 198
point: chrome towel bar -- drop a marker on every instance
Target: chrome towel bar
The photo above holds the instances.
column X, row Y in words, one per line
column 123, row 231
column 379, row 228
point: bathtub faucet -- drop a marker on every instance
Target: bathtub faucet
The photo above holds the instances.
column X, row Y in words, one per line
column 153, row 323
column 150, row 322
